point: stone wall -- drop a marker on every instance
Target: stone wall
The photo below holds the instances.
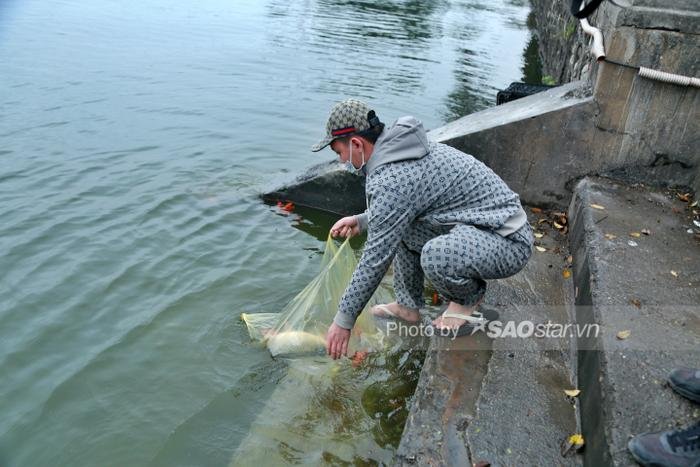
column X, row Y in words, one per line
column 563, row 44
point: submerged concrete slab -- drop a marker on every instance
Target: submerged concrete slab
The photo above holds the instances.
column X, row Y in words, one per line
column 501, row 400
column 328, row 186
column 645, row 284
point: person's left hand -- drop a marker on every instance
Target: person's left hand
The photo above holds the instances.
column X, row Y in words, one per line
column 337, row 341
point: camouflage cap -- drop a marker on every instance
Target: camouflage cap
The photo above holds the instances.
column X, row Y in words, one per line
column 347, row 118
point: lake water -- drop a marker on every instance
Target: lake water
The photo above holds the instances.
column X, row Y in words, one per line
column 135, row 137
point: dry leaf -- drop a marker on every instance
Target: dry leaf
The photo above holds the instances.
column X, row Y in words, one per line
column 632, row 243
column 558, row 226
column 646, row 231
column 635, row 234
column 566, row 273
column 684, row 197
column 538, row 234
column 572, row 392
column 540, row 249
column 622, row 335
column 536, row 210
column 570, row 259
column 576, row 440
column 674, row 273
column 694, row 203
column 610, row 236
column 636, row 302
column 572, row 444
column 598, row 206
column 697, row 224
column 542, row 221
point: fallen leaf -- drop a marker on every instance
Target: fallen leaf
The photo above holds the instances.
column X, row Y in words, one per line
column 674, row 273
column 566, row 273
column 289, row 207
column 538, row 234
column 558, row 226
column 635, row 234
column 697, row 224
column 646, row 231
column 572, row 392
column 540, row 249
column 436, row 299
column 684, row 197
column 598, row 206
column 610, row 236
column 632, row 243
column 536, row 210
column 636, row 302
column 622, row 335
column 542, row 221
column 572, row 444
column 570, row 259
column 694, row 203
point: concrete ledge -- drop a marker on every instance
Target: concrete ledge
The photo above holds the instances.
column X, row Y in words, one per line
column 621, row 286
column 525, row 139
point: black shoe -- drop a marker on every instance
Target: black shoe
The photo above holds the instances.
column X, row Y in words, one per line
column 680, row 448
column 686, row 382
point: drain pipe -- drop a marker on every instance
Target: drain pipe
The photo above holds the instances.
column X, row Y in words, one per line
column 671, row 78
column 598, row 50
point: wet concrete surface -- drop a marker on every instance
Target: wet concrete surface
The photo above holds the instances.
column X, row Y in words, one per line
column 644, row 283
column 501, row 400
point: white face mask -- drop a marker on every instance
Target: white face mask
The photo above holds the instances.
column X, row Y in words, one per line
column 351, row 167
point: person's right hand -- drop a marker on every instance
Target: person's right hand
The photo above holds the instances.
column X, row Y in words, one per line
column 346, row 227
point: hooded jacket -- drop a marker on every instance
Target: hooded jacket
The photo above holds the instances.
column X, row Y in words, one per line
column 411, row 179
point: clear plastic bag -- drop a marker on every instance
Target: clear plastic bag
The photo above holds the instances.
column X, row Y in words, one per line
column 302, row 325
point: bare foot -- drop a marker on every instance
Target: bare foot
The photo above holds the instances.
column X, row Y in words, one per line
column 394, row 310
column 442, row 322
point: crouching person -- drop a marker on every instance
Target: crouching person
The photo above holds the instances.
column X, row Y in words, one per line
column 432, row 210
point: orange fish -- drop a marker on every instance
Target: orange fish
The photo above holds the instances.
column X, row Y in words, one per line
column 358, row 358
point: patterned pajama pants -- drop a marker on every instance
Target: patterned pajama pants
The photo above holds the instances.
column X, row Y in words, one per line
column 457, row 261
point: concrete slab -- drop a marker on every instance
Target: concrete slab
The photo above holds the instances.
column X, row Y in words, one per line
column 328, row 186
column 645, row 284
column 501, row 400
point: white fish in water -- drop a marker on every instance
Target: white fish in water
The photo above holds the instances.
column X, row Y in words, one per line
column 295, row 342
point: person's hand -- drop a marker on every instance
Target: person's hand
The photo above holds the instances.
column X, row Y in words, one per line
column 346, row 227
column 337, row 341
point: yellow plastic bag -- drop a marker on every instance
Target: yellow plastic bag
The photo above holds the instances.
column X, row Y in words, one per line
column 302, row 325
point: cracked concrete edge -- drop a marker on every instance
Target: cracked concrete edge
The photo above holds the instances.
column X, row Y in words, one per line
column 434, row 433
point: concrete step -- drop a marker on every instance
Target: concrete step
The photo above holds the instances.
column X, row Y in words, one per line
column 501, row 400
column 647, row 285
